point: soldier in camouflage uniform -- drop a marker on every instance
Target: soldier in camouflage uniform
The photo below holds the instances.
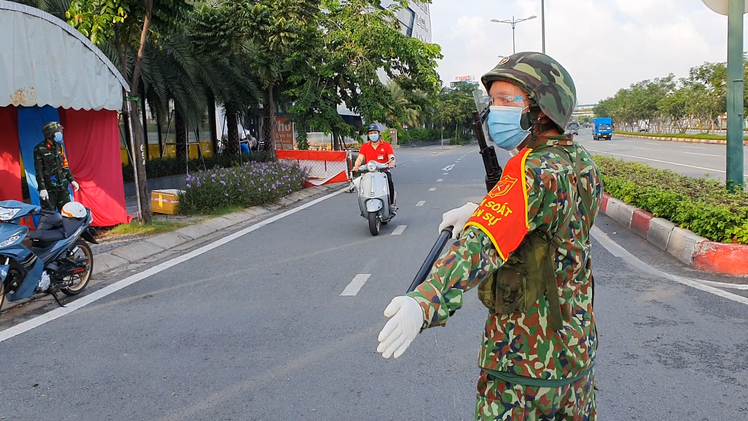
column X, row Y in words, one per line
column 52, row 170
column 532, row 266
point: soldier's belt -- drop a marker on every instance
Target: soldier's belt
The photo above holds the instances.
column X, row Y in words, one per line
column 512, row 378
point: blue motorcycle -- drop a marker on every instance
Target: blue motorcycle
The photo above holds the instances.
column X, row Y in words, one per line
column 52, row 258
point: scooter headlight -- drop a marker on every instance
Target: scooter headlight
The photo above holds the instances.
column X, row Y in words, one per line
column 6, row 214
column 12, row 239
column 371, row 166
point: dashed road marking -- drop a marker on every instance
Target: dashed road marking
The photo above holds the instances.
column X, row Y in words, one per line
column 439, row 180
column 701, row 154
column 432, row 189
column 355, row 286
column 399, row 230
column 421, row 203
column 448, row 167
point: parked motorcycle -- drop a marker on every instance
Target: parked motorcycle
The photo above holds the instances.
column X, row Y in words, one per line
column 374, row 195
column 57, row 259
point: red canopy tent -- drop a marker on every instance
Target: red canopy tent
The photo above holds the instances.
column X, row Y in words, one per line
column 50, row 72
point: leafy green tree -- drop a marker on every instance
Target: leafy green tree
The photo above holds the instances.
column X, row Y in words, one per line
column 56, row 8
column 226, row 58
column 126, row 25
column 275, row 32
column 359, row 47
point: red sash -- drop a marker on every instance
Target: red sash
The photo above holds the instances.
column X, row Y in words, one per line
column 502, row 215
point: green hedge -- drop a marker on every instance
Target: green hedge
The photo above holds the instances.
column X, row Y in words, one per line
column 701, row 205
column 675, row 135
column 165, row 167
column 247, row 185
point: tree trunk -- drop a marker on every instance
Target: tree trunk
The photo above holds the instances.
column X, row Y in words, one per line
column 144, row 214
column 271, row 119
column 180, row 128
column 137, row 128
column 233, row 129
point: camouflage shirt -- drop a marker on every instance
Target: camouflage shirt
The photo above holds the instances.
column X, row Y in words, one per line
column 51, row 166
column 523, row 343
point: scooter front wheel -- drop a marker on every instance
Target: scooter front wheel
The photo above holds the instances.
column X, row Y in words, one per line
column 83, row 253
column 374, row 223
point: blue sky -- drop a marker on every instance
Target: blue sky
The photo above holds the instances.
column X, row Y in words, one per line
column 606, row 45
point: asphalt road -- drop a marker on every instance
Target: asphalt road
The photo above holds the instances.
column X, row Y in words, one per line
column 692, row 159
column 257, row 329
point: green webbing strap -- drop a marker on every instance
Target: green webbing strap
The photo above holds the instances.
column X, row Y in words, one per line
column 551, row 288
column 534, row 382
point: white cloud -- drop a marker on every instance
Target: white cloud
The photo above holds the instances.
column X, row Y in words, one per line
column 605, row 44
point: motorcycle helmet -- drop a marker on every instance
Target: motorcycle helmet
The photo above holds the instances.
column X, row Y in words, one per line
column 374, row 128
column 74, row 210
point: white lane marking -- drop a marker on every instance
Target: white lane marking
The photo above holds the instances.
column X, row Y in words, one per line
column 421, row 203
column 616, row 250
column 358, row 281
column 399, row 230
column 645, row 149
column 701, row 154
column 694, row 147
column 97, row 295
column 448, row 167
column 446, row 173
column 660, row 161
column 439, row 180
column 432, row 189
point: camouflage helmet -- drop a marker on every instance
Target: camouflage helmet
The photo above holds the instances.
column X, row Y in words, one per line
column 547, row 83
column 50, row 129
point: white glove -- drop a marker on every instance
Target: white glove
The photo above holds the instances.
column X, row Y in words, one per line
column 43, row 194
column 75, row 185
column 406, row 319
column 457, row 218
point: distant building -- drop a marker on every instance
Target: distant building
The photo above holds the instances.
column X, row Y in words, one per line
column 583, row 110
column 464, row 80
column 415, row 19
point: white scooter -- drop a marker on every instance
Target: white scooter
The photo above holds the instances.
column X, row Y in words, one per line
column 374, row 195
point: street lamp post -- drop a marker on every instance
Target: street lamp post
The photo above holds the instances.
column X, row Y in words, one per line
column 542, row 21
column 734, row 9
column 514, row 23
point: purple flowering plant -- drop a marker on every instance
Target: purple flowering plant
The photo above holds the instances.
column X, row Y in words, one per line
column 247, row 185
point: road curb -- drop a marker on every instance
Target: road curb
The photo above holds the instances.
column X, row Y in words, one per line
column 691, row 249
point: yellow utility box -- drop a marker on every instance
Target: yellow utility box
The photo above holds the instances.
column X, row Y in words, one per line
column 165, row 201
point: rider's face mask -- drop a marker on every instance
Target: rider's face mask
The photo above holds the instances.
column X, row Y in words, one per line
column 58, row 137
column 374, row 137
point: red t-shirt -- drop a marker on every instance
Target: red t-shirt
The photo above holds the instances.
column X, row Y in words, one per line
column 381, row 154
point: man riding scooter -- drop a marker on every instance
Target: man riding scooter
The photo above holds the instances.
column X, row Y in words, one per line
column 377, row 150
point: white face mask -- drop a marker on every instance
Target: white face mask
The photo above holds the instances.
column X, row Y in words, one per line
column 374, row 137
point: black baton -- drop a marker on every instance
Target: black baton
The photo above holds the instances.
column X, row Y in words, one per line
column 436, row 250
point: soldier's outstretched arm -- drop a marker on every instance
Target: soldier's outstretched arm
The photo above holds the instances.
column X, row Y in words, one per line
column 467, row 263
